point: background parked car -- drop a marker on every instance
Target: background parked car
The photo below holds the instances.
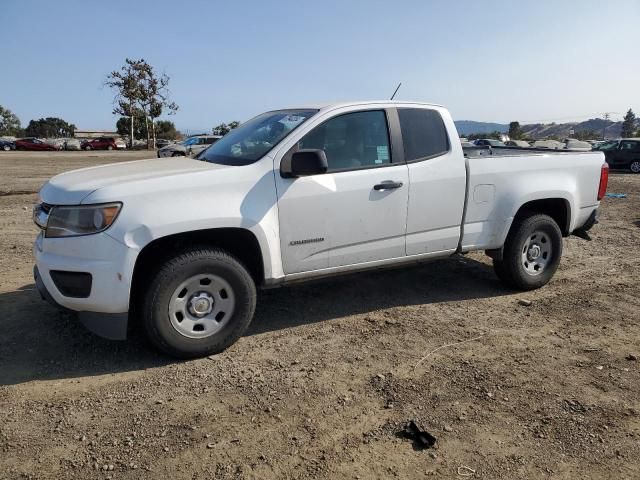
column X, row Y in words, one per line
column 623, row 153
column 7, row 145
column 161, row 142
column 33, row 144
column 102, row 143
column 72, row 144
column 517, row 143
column 548, row 144
column 489, row 142
column 121, row 144
column 191, row 146
column 572, row 144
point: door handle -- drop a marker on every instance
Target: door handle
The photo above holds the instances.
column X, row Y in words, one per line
column 387, row 185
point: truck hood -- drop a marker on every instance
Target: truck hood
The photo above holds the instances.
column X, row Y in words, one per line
column 71, row 188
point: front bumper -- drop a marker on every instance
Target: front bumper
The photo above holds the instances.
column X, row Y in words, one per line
column 112, row 326
column 110, row 263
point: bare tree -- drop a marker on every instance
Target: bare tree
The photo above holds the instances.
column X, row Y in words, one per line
column 127, row 84
column 154, row 96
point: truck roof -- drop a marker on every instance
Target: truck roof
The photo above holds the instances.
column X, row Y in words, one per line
column 334, row 105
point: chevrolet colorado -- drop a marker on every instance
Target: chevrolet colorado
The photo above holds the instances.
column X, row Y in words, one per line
column 182, row 244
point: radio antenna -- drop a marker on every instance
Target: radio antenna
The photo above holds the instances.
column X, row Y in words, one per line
column 396, row 91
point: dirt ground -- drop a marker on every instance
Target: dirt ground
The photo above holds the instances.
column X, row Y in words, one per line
column 324, row 382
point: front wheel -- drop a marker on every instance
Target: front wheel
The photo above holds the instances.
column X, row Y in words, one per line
column 109, row 147
column 635, row 166
column 531, row 252
column 6, row 148
column 198, row 303
column 87, row 148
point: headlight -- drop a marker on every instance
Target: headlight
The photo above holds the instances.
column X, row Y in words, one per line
column 72, row 221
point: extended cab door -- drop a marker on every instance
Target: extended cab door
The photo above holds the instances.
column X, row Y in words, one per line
column 354, row 213
column 437, row 177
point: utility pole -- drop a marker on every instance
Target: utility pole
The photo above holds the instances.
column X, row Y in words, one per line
column 606, row 116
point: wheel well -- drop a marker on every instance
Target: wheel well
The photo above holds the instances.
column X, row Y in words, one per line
column 239, row 242
column 556, row 208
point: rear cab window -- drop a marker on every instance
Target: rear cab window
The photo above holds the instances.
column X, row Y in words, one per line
column 424, row 134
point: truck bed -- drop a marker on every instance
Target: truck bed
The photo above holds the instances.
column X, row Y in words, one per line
column 501, row 181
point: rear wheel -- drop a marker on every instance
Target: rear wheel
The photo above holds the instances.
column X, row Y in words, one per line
column 635, row 166
column 531, row 252
column 87, row 148
column 109, row 147
column 198, row 303
column 177, row 154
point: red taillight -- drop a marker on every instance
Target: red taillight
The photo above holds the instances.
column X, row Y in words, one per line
column 604, row 179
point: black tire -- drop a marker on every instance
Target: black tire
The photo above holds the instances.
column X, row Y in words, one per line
column 177, row 154
column 109, row 147
column 635, row 166
column 87, row 148
column 156, row 317
column 512, row 270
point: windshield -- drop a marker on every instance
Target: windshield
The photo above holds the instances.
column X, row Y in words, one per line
column 253, row 139
column 610, row 145
column 190, row 141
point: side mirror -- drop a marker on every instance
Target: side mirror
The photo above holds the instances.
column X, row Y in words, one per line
column 308, row 162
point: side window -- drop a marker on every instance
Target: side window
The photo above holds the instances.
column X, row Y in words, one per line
column 423, row 133
column 353, row 140
column 630, row 146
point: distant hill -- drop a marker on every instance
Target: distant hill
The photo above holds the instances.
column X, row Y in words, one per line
column 467, row 127
column 610, row 128
column 544, row 130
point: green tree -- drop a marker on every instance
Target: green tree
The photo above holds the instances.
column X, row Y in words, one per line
column 9, row 123
column 587, row 135
column 123, row 126
column 50, row 127
column 225, row 128
column 166, row 129
column 515, row 132
column 628, row 124
column 495, row 135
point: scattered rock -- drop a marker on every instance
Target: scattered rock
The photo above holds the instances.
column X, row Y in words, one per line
column 447, row 428
column 599, row 367
column 211, row 445
column 631, row 357
column 421, row 438
column 524, row 302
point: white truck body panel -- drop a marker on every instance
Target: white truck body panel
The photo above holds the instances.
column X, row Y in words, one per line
column 360, row 227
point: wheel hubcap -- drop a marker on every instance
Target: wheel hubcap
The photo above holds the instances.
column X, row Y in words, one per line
column 201, row 306
column 536, row 253
column 635, row 167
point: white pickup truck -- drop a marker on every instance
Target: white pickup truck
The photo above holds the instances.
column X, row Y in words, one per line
column 182, row 244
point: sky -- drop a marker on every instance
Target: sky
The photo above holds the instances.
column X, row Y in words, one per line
column 488, row 60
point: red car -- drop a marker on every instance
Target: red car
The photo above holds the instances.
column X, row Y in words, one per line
column 102, row 143
column 33, row 144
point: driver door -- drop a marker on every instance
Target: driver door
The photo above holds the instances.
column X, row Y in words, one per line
column 357, row 211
